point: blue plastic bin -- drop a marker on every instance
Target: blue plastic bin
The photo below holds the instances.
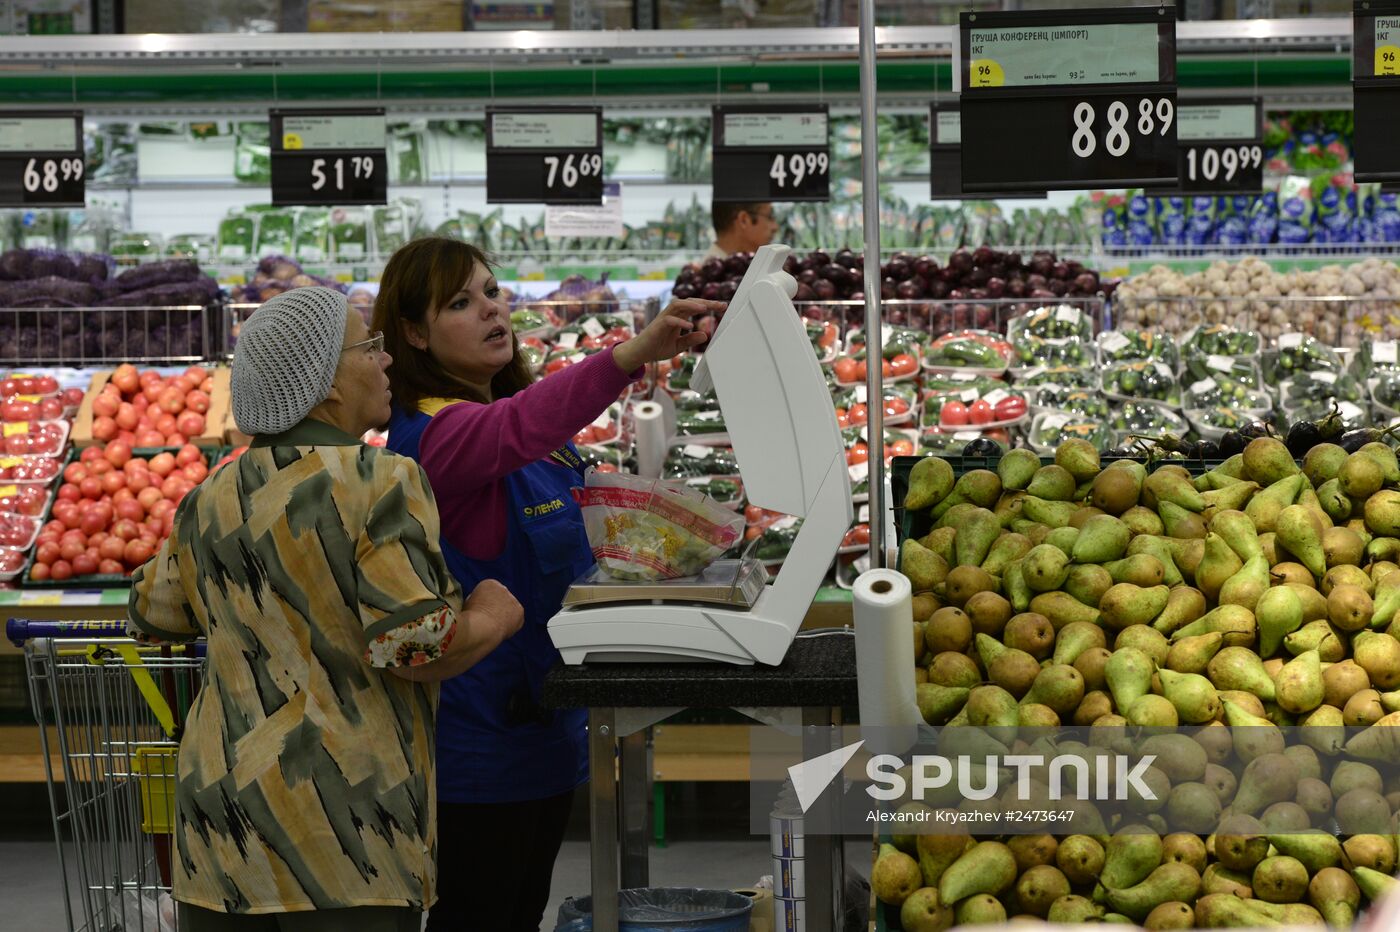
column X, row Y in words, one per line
column 664, row 909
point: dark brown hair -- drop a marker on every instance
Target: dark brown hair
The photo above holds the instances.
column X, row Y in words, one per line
column 419, row 280
column 726, row 213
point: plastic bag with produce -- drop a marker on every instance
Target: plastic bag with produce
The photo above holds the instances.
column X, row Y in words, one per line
column 646, row 529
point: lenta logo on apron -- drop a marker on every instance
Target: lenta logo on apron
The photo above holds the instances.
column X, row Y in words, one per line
column 542, row 509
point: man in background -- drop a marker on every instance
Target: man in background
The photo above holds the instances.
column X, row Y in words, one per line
column 741, row 228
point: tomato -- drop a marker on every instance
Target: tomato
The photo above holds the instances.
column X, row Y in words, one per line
column 981, row 412
column 111, row 567
column 47, row 553
column 61, row 570
column 896, row 406
column 843, row 420
column 162, row 464
column 859, row 415
column 900, row 448
column 165, row 424
column 861, row 371
column 126, row 379
column 71, row 548
column 137, row 552
column 903, row 364
column 859, row 453
column 954, row 413
column 92, row 522
column 91, row 487
column 76, row 472
column 189, row 453
column 197, row 374
column 71, row 397
column 39, row 572
column 51, row 409
column 126, row 417
column 84, row 565
column 99, row 468
column 845, row 369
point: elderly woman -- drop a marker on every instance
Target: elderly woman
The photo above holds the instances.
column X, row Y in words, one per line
column 305, row 784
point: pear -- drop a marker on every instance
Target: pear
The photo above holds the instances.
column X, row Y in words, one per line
column 976, row 534
column 1382, row 513
column 1053, row 483
column 1347, row 575
column 1031, row 633
column 1179, row 523
column 937, row 703
column 1374, row 851
column 1235, row 622
column 1333, row 500
column 1062, row 608
column 1380, row 742
column 1324, row 730
column 1011, row 669
column 1238, row 531
column 1184, row 606
column 1308, row 499
column 1170, row 486
column 1254, row 738
column 1013, row 580
column 1073, row 909
column 1129, row 676
column 980, row 910
column 1267, row 460
column 930, row 481
column 1279, row 612
column 1220, row 879
column 1228, row 911
column 955, row 515
column 1079, row 457
column 979, row 487
column 1074, row 639
column 1300, row 531
column 988, row 612
column 948, row 629
column 1133, row 853
column 1217, row 565
column 1063, row 538
column 1265, row 507
column 1052, row 514
column 1323, row 462
column 1379, row 656
column 1016, row 469
column 1342, row 546
column 1087, row 583
column 1361, row 476
column 1313, row 849
column 1193, row 655
column 895, row 876
column 937, row 851
column 1187, row 848
column 1102, row 538
column 1152, row 711
column 1142, row 520
column 1373, row 883
column 1230, row 498
column 1268, row 779
column 1387, row 601
column 1385, row 456
column 1141, row 569
column 926, row 570
column 1193, row 807
column 1032, row 850
column 1187, row 554
column 1333, row 893
column 1148, row 640
column 1157, row 547
column 1005, row 550
column 1241, row 842
column 989, row 867
column 1168, row 882
column 950, row 669
column 1044, row 568
column 1319, row 636
column 1126, row 604
column 964, row 582
column 1349, row 608
column 1246, row 586
column 1343, row 680
column 1091, row 665
column 1058, row 686
column 1039, row 888
column 1115, row 491
column 1192, row 695
column 941, row 541
column 1280, row 879
column 923, row 911
column 1299, row 684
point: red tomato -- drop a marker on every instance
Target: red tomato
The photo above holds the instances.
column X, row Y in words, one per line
column 111, row 549
column 84, row 564
column 91, row 487
column 137, row 552
column 61, row 570
column 859, row 453
column 39, row 572
column 896, row 406
column 46, row 553
column 900, row 448
column 859, row 415
column 845, row 369
column 110, row 567
column 162, row 464
column 77, row 472
column 71, row 548
column 188, row 453
column 903, row 364
column 843, row 420
column 981, row 412
column 954, row 413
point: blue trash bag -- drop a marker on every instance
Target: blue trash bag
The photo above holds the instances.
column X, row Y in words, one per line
column 664, row 909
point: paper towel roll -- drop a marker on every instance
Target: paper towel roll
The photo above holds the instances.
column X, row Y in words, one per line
column 650, row 422
column 884, row 622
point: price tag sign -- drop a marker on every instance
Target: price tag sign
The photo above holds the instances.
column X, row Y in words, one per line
column 1221, row 147
column 1094, row 89
column 41, row 159
column 777, row 152
column 544, row 155
column 1375, row 49
column 324, row 157
column 945, row 157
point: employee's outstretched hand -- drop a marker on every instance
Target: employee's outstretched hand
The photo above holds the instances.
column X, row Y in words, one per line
column 673, row 331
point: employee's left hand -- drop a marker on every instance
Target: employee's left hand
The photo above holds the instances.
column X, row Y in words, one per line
column 673, row 331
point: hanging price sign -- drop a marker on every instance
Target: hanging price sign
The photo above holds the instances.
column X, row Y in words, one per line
column 41, row 159
column 324, row 157
column 773, row 152
column 1068, row 100
column 1221, row 147
column 544, row 155
column 945, row 157
column 1375, row 49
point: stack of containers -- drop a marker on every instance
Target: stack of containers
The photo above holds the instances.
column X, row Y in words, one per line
column 789, row 864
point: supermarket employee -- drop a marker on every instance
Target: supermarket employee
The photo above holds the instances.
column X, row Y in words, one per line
column 741, row 228
column 495, row 446
column 304, row 784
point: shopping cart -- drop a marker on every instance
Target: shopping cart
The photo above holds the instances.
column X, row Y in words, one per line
column 110, row 712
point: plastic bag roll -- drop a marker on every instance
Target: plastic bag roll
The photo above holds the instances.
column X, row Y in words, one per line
column 650, row 422
column 884, row 622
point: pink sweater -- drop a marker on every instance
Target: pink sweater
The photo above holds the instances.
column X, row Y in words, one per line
column 468, row 449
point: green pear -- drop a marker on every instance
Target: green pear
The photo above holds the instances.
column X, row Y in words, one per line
column 1333, row 893
column 955, row 516
column 1074, row 639
column 990, row 868
column 1079, row 457
column 1007, row 549
column 937, row 703
column 1373, row 883
column 1053, row 483
column 1172, row 881
column 1126, row 604
column 1052, row 514
column 1308, row 499
column 1385, row 456
column 1157, row 547
column 1149, row 640
column 1229, row 498
column 1333, row 500
column 1323, row 462
column 1279, row 613
column 1044, row 568
column 1016, row 469
column 1299, row 530
column 930, row 481
column 1133, row 853
column 1235, row 622
column 1267, row 779
column 983, row 909
column 1380, row 742
column 1187, row 554
column 1379, row 656
column 1192, row 695
column 1220, row 879
column 1087, row 582
column 923, row 911
column 1238, row 531
column 1141, row 569
column 1063, row 538
column 925, row 569
column 1361, row 476
column 1129, row 675
column 1299, row 684
column 937, row 851
column 1114, row 492
column 1142, row 520
column 1185, row 605
column 1074, row 909
column 1181, row 524
column 1241, row 842
column 1319, row 636
column 1013, row 580
column 1314, row 602
column 1382, row 513
column 1314, row 849
column 975, row 537
column 979, row 487
column 1247, row 586
column 1267, row 460
column 1169, row 486
column 1062, row 609
column 941, row 541
column 1253, row 737
column 1387, row 601
column 1058, row 686
column 894, row 876
column 1102, row 538
column 1193, row 655
column 1039, row 888
column 1265, row 507
column 1217, row 565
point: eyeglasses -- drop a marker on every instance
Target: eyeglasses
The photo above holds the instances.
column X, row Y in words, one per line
column 375, row 343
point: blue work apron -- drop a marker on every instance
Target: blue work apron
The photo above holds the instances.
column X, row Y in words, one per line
column 495, row 742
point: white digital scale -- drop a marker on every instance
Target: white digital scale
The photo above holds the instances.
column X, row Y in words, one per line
column 782, row 426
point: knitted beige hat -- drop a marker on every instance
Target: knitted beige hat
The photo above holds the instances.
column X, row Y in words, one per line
column 286, row 358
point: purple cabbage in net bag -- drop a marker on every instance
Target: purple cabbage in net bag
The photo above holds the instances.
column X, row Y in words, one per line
column 49, row 291
column 95, row 269
column 159, row 273
column 14, row 265
column 170, row 294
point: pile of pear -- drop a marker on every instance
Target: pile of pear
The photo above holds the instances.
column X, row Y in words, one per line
column 1262, row 593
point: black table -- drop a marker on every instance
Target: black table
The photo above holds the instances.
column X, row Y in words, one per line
column 816, row 682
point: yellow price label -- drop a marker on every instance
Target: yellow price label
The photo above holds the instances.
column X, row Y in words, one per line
column 31, row 398
column 8, row 490
column 291, row 141
column 10, row 462
column 18, row 427
column 1388, row 60
column 532, row 277
column 41, row 598
column 21, row 375
column 986, row 73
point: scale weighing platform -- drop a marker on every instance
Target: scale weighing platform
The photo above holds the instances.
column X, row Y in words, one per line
column 782, row 426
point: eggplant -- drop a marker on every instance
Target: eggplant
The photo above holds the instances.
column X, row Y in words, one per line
column 1354, row 440
column 982, row 446
column 1302, row 437
column 1232, row 443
